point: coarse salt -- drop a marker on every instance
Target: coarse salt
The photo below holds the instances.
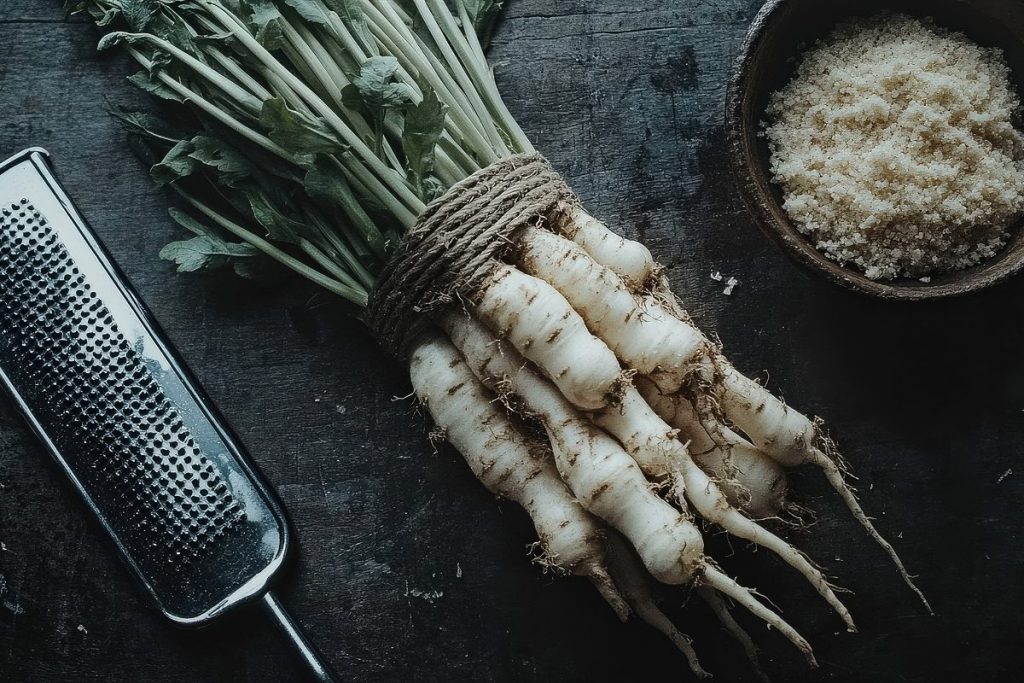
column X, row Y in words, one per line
column 895, row 148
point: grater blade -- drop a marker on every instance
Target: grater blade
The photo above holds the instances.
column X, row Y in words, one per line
column 92, row 373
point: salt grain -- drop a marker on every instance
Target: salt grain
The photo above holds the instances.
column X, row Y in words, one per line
column 895, row 148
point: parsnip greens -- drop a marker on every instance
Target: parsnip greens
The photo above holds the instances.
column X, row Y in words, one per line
column 316, row 132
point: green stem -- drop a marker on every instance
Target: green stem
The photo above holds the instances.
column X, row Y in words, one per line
column 214, row 111
column 397, row 185
column 406, row 46
column 485, row 79
column 357, row 297
column 497, row 142
column 328, row 265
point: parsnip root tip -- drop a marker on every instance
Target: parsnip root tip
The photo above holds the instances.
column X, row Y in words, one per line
column 745, row 597
column 835, row 477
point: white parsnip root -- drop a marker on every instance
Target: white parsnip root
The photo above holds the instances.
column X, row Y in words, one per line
column 670, row 352
column 642, row 334
column 792, row 439
column 510, row 464
column 605, row 479
column 630, row 260
column 645, row 419
column 654, row 444
column 544, row 328
column 751, row 481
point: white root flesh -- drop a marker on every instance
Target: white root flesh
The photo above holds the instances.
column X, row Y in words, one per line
column 641, row 332
column 544, row 328
column 724, row 615
column 793, row 439
column 632, row 579
column 653, row 445
column 630, row 260
column 665, row 348
column 751, row 481
column 603, row 476
column 510, row 464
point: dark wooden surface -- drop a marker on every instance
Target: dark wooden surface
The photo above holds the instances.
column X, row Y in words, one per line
column 927, row 401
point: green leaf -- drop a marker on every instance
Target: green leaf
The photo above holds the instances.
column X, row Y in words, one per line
column 278, row 226
column 424, row 124
column 172, row 29
column 377, row 86
column 138, row 13
column 266, row 20
column 113, row 39
column 325, row 183
column 296, row 132
column 176, row 164
column 107, row 18
column 230, row 166
column 310, row 10
column 352, row 14
column 374, row 91
column 150, row 84
column 191, row 224
column 207, row 250
column 204, row 253
column 484, row 15
column 145, row 124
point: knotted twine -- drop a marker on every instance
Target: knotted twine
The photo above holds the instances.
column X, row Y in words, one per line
column 451, row 249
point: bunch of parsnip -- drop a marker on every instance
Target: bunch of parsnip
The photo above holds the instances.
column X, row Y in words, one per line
column 316, row 132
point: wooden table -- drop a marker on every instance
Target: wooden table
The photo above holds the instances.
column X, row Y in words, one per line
column 408, row 569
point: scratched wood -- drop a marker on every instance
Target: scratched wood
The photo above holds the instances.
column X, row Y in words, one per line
column 626, row 100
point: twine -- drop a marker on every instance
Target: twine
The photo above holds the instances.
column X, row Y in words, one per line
column 457, row 240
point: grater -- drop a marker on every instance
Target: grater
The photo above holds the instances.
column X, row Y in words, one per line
column 98, row 382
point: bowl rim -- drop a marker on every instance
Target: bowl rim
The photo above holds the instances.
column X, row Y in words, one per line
column 746, row 172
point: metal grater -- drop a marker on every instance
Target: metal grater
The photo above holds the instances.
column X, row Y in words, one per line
column 90, row 370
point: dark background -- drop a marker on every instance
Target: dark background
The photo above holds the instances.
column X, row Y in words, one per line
column 927, row 401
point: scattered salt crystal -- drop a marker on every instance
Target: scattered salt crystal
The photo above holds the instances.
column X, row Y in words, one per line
column 82, row 629
column 925, row 279
column 458, row 570
column 429, row 596
column 1004, row 475
column 340, row 409
column 730, row 285
column 716, row 276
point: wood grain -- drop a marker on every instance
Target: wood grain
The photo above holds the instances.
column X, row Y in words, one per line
column 926, row 401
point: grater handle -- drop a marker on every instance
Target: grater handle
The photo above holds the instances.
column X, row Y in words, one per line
column 320, row 671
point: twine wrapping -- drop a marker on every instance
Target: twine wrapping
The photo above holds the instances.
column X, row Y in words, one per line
column 453, row 246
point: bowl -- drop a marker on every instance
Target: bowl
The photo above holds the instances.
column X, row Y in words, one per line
column 767, row 61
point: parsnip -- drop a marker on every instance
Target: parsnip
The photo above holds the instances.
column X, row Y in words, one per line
column 630, row 260
column 642, row 334
column 510, row 464
column 544, row 328
column 653, row 444
column 751, row 481
column 603, row 477
column 792, row 439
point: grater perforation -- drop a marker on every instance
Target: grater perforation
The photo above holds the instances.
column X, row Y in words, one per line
column 100, row 400
column 90, row 370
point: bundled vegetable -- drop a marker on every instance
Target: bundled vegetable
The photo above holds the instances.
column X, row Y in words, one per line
column 364, row 145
